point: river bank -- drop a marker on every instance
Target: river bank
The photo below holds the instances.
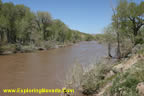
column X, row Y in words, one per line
column 110, row 77
column 7, row 49
column 46, row 69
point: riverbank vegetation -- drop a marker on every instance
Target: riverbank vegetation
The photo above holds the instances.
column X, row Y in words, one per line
column 122, row 74
column 23, row 30
column 126, row 29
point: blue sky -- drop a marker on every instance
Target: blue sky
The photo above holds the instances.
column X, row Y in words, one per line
column 89, row 16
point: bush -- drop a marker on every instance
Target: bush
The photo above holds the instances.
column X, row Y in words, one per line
column 139, row 40
column 7, row 49
column 125, row 84
column 138, row 48
column 95, row 79
column 27, row 48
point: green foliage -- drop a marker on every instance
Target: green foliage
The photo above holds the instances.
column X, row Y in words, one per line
column 8, row 47
column 89, row 37
column 125, row 83
column 100, row 38
column 109, row 34
column 128, row 19
column 19, row 25
column 44, row 20
column 95, row 78
column 3, row 27
column 139, row 40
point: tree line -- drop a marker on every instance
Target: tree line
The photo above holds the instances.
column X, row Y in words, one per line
column 18, row 24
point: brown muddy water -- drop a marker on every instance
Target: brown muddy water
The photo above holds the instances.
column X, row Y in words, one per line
column 46, row 69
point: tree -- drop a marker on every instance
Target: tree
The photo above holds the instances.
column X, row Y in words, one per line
column 43, row 20
column 1, row 4
column 109, row 38
column 116, row 26
column 130, row 16
column 62, row 30
column 4, row 23
column 9, row 11
column 19, row 25
column 23, row 23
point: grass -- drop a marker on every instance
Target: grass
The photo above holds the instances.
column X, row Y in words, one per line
column 125, row 84
column 96, row 79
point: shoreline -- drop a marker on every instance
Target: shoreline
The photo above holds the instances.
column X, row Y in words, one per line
column 9, row 49
column 31, row 48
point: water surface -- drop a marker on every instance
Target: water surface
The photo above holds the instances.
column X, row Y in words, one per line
column 46, row 69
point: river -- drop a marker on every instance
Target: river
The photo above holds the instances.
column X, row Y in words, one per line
column 46, row 69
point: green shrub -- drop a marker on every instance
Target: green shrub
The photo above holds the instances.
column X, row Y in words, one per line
column 96, row 77
column 125, row 83
column 124, row 86
column 139, row 40
column 7, row 47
